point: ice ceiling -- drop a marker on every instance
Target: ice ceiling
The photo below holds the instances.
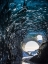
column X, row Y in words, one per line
column 33, row 19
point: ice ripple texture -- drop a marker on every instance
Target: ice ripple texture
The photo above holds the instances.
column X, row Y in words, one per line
column 16, row 23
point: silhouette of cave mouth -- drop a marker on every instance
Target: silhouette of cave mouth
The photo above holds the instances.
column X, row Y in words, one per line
column 42, row 56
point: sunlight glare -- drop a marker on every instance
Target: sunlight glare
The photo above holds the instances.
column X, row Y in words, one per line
column 31, row 46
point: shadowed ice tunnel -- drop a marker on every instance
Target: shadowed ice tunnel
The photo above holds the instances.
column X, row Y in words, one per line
column 21, row 22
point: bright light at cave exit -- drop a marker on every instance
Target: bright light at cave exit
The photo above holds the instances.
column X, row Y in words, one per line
column 31, row 46
column 39, row 37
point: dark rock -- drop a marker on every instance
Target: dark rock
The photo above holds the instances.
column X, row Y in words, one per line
column 42, row 56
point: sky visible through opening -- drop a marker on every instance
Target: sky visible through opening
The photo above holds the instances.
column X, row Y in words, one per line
column 31, row 46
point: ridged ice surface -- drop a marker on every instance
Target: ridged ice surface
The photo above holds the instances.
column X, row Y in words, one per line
column 17, row 21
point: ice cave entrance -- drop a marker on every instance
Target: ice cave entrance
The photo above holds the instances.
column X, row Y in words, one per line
column 31, row 46
column 39, row 37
